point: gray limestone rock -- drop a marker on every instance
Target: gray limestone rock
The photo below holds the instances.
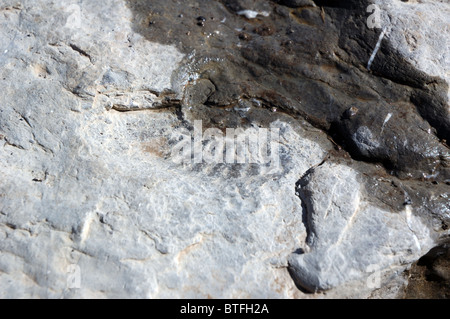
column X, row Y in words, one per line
column 101, row 195
column 92, row 204
column 348, row 238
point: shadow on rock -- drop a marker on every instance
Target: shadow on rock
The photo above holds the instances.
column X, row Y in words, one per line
column 309, row 59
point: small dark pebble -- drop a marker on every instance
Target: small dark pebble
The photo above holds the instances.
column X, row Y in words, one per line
column 290, row 31
column 244, row 36
column 408, row 201
column 201, row 23
column 351, row 112
column 201, row 18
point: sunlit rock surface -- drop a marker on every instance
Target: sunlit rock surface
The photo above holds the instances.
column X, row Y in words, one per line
column 96, row 97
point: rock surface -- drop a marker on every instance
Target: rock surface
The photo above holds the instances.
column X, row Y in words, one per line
column 349, row 238
column 429, row 278
column 96, row 96
column 426, row 47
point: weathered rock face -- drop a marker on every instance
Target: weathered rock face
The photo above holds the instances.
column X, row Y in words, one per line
column 312, row 61
column 430, row 276
column 87, row 186
column 347, row 236
column 97, row 201
column 426, row 48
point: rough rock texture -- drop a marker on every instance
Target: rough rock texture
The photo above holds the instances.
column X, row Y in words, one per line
column 96, row 95
column 83, row 184
column 429, row 278
column 347, row 235
column 426, row 47
column 312, row 61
